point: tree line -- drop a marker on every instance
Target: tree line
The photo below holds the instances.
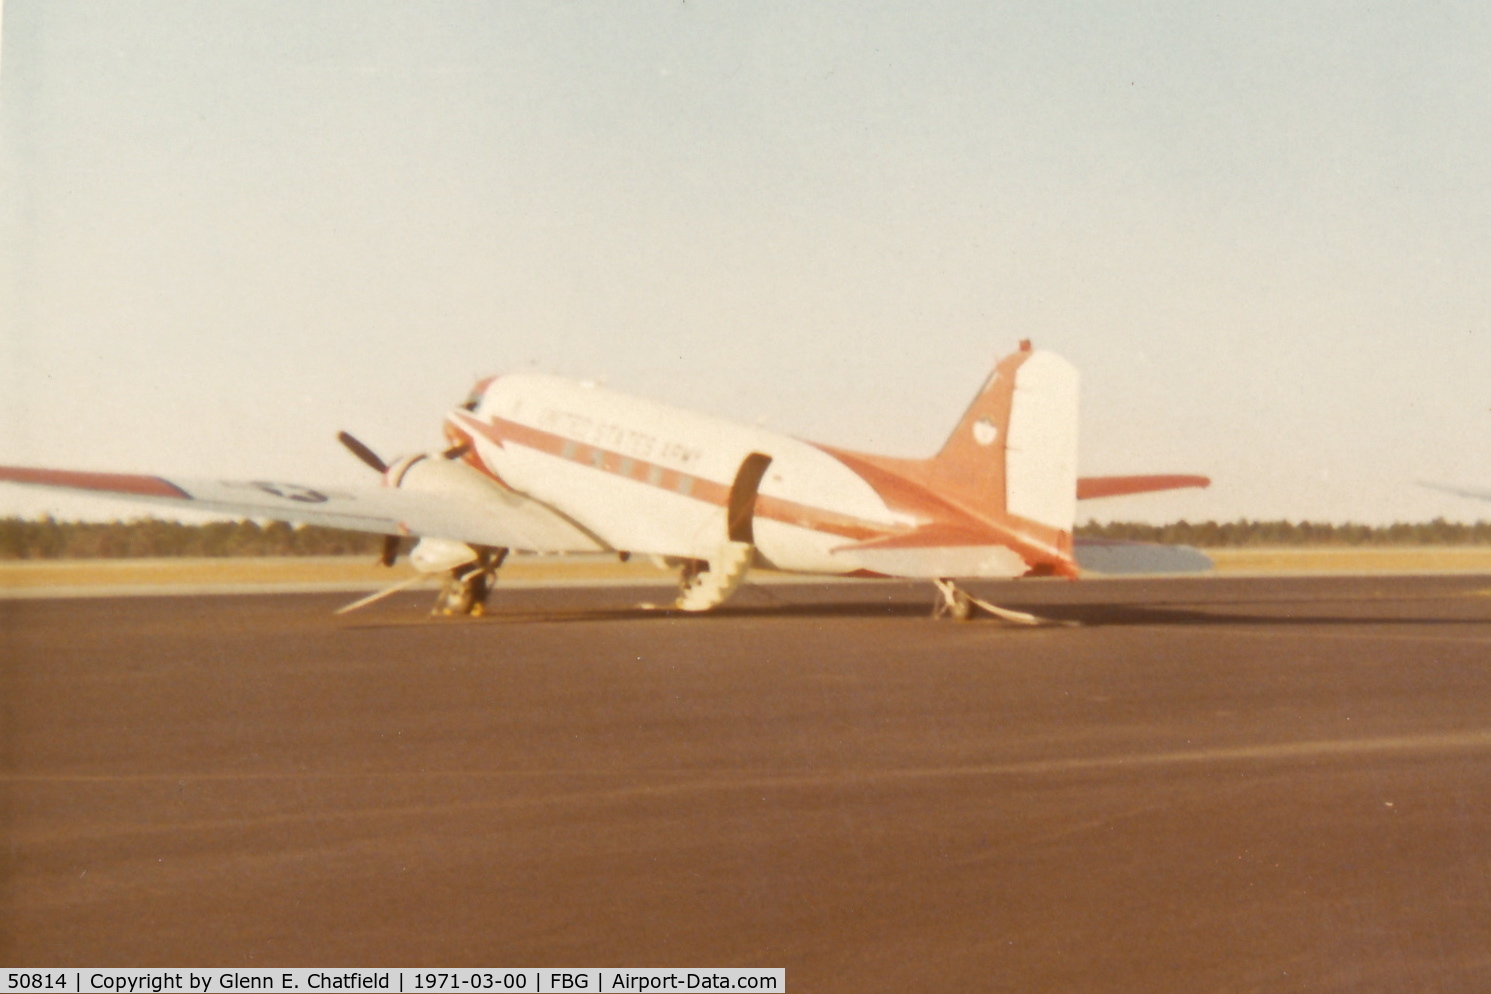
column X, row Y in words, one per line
column 1243, row 533
column 47, row 538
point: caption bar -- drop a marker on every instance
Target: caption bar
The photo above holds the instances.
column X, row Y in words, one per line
column 529, row 980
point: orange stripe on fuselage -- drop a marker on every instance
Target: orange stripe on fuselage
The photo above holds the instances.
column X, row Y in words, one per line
column 503, row 432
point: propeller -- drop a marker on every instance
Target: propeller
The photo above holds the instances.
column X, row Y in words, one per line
column 390, row 550
column 362, row 452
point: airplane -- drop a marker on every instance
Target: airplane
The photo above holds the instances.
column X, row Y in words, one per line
column 1459, row 491
column 543, row 464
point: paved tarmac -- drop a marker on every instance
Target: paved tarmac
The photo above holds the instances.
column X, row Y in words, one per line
column 1212, row 785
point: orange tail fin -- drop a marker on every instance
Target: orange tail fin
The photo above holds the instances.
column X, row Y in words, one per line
column 1014, row 453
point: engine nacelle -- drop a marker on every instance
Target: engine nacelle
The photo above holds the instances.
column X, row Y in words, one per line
column 464, row 501
column 432, row 473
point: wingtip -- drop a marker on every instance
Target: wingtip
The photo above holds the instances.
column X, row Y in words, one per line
column 127, row 484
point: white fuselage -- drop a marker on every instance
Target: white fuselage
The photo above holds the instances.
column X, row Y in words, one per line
column 647, row 477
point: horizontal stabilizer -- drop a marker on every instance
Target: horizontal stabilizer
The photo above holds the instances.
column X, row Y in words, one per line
column 1116, row 558
column 1090, row 487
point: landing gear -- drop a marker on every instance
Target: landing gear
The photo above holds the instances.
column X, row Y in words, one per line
column 956, row 603
column 466, row 587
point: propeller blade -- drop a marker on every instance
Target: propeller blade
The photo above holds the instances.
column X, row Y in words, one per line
column 390, row 550
column 362, row 452
column 456, row 451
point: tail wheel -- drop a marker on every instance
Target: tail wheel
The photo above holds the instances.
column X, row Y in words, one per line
column 961, row 608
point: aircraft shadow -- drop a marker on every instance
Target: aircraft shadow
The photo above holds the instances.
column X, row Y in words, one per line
column 1088, row 615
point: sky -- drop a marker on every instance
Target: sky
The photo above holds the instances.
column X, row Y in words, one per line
column 1262, row 231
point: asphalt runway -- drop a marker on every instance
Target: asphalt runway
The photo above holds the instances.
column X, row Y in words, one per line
column 1212, row 785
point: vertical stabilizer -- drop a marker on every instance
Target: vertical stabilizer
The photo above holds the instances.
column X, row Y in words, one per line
column 1015, row 450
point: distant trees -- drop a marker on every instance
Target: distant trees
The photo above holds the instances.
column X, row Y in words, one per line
column 48, row 538
column 1243, row 533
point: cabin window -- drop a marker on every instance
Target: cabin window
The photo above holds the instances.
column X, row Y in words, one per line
column 655, row 475
column 568, row 452
column 685, row 485
column 597, row 458
column 625, row 468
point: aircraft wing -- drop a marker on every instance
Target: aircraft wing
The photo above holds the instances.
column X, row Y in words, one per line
column 1460, row 491
column 496, row 517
